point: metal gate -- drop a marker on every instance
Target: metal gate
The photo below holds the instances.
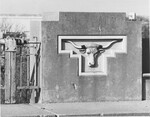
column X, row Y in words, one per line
column 19, row 70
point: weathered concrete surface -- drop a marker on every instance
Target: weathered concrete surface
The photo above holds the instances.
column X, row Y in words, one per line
column 92, row 109
column 25, row 110
column 89, row 108
column 60, row 73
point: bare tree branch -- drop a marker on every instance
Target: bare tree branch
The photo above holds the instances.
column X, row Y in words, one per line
column 7, row 26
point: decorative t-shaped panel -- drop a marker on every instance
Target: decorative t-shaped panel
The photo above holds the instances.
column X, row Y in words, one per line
column 92, row 51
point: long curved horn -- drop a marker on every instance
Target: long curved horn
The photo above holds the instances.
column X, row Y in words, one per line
column 77, row 46
column 110, row 45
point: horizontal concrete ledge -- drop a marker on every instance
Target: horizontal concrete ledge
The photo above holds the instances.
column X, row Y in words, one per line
column 86, row 109
column 25, row 110
column 110, row 114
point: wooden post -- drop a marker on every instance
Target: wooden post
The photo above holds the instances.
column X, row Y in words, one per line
column 35, row 30
column 0, row 71
column 28, row 66
column 13, row 76
column 10, row 70
column 2, row 43
column 0, row 62
column 1, row 51
column 33, row 69
column 20, row 67
column 7, row 77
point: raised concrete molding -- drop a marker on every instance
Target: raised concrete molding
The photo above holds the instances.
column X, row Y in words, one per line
column 101, row 69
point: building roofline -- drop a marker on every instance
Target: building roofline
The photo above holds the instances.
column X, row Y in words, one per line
column 21, row 15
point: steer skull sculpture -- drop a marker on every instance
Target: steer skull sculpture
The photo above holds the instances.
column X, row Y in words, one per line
column 93, row 50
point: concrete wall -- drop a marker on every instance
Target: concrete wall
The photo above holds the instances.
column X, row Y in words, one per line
column 60, row 80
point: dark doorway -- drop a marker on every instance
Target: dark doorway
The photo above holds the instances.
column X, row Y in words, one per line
column 145, row 56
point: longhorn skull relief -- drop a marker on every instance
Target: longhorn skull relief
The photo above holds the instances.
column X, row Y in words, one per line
column 93, row 50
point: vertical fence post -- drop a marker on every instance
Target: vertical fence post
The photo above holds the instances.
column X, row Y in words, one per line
column 28, row 71
column 0, row 70
column 2, row 64
column 20, row 67
column 7, row 77
column 10, row 70
column 13, row 76
column 33, row 69
column 0, row 76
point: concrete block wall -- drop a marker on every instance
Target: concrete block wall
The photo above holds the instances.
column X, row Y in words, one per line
column 60, row 79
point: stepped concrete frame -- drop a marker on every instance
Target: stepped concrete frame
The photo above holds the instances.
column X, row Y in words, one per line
column 102, row 67
column 61, row 81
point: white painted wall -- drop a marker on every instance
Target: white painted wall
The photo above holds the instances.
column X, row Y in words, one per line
column 22, row 21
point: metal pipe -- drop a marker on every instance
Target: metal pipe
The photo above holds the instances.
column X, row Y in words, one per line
column 146, row 75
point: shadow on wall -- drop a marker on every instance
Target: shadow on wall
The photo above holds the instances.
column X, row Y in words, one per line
column 145, row 69
column 145, row 56
column 145, row 59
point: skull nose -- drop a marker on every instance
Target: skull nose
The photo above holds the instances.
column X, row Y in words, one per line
column 91, row 64
column 91, row 60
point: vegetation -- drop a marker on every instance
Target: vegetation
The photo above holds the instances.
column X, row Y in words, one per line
column 7, row 26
